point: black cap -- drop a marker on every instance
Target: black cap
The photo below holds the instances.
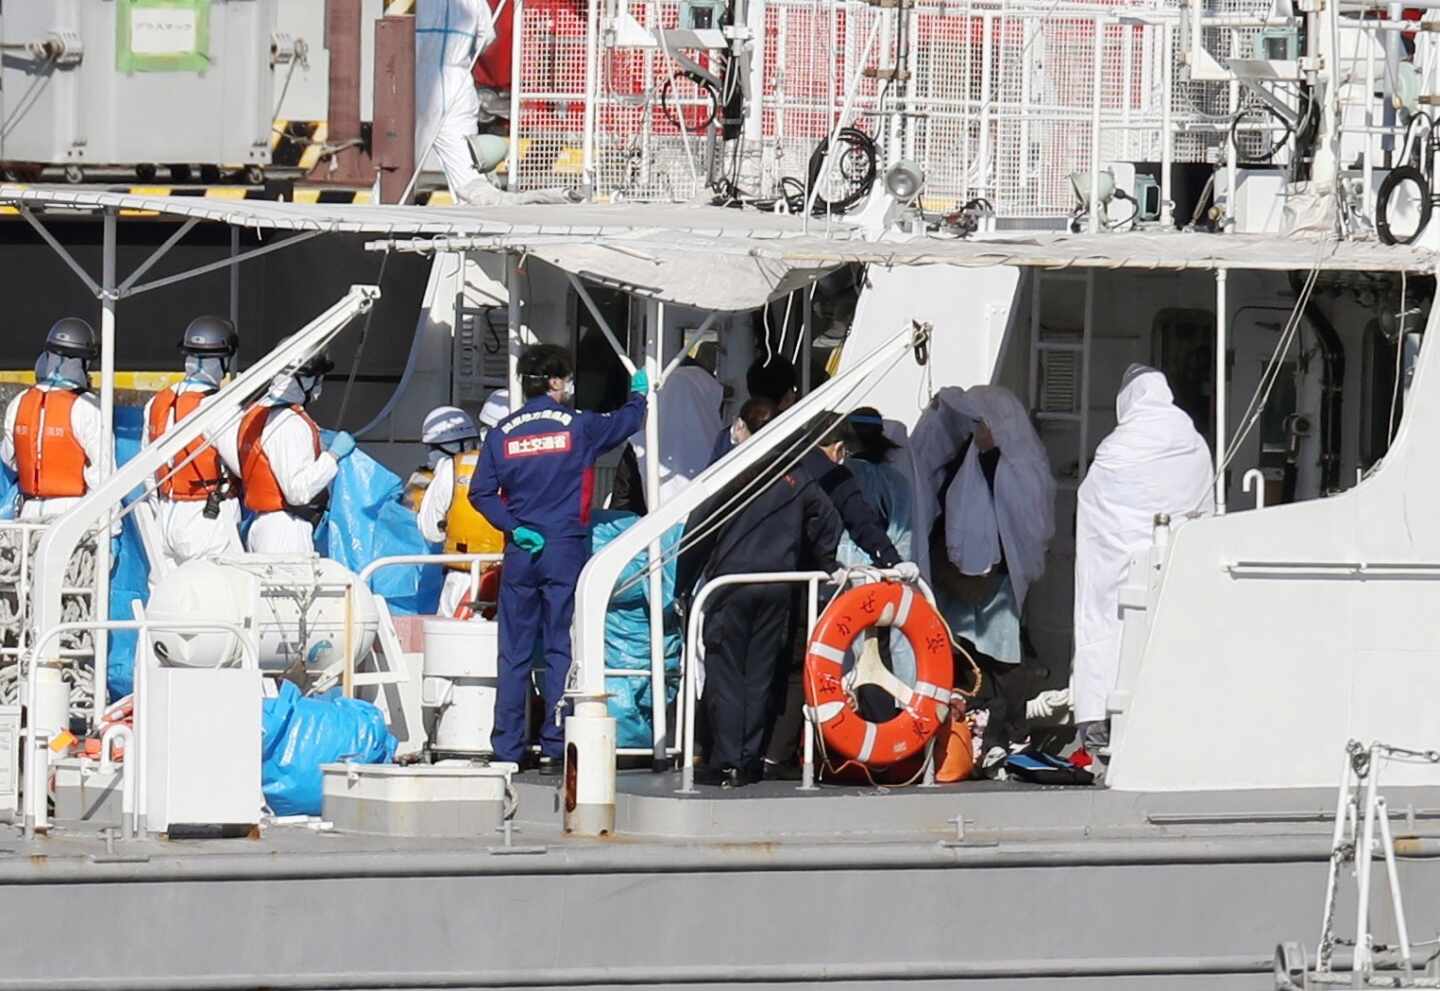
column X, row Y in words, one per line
column 210, row 336
column 73, row 338
column 315, row 366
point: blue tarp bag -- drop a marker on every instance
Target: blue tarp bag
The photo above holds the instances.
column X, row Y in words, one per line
column 130, row 573
column 627, row 630
column 299, row 734
column 367, row 521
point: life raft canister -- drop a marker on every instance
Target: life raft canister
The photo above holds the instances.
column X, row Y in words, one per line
column 833, row 707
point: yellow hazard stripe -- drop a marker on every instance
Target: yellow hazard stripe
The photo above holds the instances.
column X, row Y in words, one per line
column 311, row 156
column 134, row 381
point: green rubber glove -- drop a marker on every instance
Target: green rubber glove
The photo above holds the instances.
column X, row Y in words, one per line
column 527, row 539
column 640, row 381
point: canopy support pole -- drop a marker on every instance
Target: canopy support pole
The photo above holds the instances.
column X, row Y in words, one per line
column 602, row 323
column 222, row 263
column 107, row 462
column 654, row 348
column 512, row 286
column 59, row 249
column 158, row 253
column 679, row 356
column 235, row 276
column 1221, row 276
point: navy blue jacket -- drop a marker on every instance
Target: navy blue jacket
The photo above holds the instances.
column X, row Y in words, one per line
column 537, row 466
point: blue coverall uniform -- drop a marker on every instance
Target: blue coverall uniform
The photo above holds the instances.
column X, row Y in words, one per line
column 537, row 470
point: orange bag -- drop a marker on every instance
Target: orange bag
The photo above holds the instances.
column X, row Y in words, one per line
column 954, row 751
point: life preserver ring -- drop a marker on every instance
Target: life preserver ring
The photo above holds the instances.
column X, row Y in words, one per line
column 925, row 705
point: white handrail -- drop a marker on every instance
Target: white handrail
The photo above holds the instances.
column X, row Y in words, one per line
column 127, row 773
column 474, row 560
column 688, row 694
column 35, row 793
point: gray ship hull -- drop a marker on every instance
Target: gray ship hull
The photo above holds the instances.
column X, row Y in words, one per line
column 770, row 889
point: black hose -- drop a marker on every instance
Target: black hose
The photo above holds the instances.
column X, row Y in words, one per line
column 861, row 184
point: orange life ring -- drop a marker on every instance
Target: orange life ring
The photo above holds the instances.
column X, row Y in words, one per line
column 832, row 706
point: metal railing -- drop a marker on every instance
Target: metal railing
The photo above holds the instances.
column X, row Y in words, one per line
column 689, row 696
column 38, row 764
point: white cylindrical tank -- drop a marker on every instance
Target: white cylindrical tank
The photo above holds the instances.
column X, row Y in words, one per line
column 462, row 666
column 298, row 606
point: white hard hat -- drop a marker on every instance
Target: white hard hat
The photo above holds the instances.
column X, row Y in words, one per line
column 496, row 408
column 446, row 425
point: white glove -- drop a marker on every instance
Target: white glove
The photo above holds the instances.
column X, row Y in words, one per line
column 840, row 577
column 907, row 571
column 1045, row 705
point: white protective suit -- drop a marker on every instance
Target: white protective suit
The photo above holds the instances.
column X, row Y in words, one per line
column 85, row 422
column 185, row 533
column 435, row 506
column 1021, row 515
column 449, row 34
column 689, row 410
column 1152, row 462
column 303, row 475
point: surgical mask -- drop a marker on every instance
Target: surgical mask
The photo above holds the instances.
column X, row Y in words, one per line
column 204, row 371
column 61, row 371
column 739, row 433
column 567, row 390
column 313, row 387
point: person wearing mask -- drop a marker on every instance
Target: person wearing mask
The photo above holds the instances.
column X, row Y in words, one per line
column 985, row 499
column 771, row 378
column 53, row 438
column 689, row 412
column 865, row 528
column 285, row 470
column 535, row 482
column 1152, row 462
column 195, row 497
column 446, row 516
column 748, row 627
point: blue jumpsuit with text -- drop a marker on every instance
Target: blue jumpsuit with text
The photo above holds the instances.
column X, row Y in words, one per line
column 537, row 470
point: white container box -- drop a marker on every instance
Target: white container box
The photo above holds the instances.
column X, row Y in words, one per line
column 138, row 82
column 452, row 798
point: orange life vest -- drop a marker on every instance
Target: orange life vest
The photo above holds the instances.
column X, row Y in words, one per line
column 49, row 458
column 200, row 476
column 262, row 489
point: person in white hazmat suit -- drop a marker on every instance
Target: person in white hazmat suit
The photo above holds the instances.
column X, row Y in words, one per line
column 53, row 438
column 446, row 515
column 285, row 470
column 1153, row 462
column 449, row 34
column 984, row 517
column 194, row 498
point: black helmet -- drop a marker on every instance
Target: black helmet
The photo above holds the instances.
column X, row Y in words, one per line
column 210, row 337
column 315, row 366
column 73, row 338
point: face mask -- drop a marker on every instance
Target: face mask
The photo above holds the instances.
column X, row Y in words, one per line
column 567, row 390
column 204, row 371
column 739, row 433
column 61, row 371
column 285, row 390
column 313, row 388
column 433, row 457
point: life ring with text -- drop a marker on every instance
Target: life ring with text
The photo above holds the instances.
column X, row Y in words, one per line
column 829, row 692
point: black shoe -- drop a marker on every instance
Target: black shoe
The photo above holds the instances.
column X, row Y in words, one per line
column 752, row 775
column 716, row 777
column 786, row 771
column 550, row 766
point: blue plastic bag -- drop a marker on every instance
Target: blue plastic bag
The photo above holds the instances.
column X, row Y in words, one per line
column 130, row 571
column 299, row 734
column 627, row 631
column 367, row 521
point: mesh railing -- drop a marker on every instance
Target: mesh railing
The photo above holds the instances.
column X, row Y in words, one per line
column 994, row 98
